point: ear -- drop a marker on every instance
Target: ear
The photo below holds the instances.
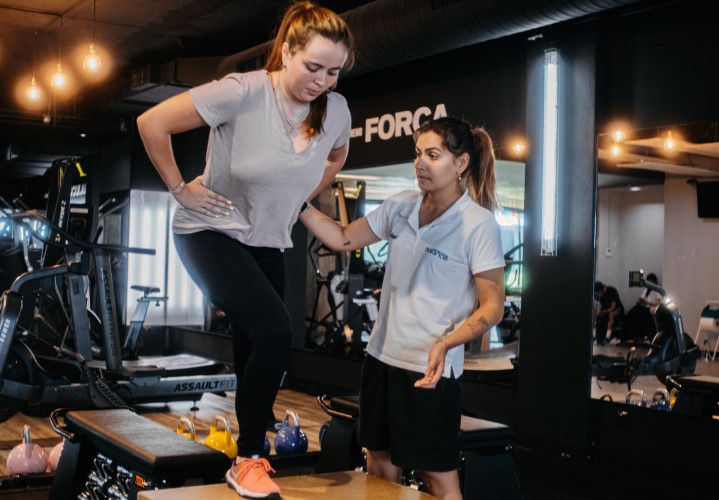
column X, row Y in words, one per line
column 462, row 162
column 286, row 54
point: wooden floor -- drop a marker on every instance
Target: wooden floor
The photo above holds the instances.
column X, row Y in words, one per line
column 310, row 414
column 345, row 485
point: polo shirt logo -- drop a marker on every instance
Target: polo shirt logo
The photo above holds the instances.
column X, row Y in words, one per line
column 436, row 253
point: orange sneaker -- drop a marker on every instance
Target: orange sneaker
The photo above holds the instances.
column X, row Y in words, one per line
column 251, row 480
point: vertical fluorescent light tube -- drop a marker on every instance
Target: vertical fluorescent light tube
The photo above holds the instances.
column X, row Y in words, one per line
column 549, row 160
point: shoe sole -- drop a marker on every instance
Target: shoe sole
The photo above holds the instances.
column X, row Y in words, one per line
column 231, row 483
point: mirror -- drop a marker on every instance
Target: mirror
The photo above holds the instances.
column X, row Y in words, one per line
column 332, row 328
column 657, row 211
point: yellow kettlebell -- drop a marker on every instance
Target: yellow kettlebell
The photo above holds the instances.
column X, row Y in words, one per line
column 222, row 440
column 190, row 433
column 673, row 396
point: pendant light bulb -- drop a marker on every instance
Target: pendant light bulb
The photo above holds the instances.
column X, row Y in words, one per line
column 92, row 61
column 58, row 79
column 33, row 91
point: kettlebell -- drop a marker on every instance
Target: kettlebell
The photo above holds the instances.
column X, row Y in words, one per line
column 323, row 432
column 26, row 458
column 632, row 400
column 54, row 458
column 290, row 439
column 221, row 440
column 673, row 397
column 660, row 400
column 267, row 445
column 190, row 434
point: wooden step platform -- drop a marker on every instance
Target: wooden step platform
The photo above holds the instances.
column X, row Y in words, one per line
column 168, row 415
column 344, row 485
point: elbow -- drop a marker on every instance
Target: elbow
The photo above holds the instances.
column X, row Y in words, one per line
column 498, row 313
column 142, row 124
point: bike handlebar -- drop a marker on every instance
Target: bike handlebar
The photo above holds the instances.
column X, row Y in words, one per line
column 19, row 218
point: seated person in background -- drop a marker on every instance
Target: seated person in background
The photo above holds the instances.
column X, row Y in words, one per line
column 610, row 313
column 650, row 299
column 639, row 322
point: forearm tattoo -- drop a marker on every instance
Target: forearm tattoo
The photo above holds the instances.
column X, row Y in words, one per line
column 478, row 326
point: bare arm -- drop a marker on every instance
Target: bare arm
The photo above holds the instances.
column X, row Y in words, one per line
column 335, row 237
column 156, row 126
column 490, row 292
column 334, row 163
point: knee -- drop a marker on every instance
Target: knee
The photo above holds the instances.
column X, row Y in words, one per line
column 444, row 485
column 379, row 464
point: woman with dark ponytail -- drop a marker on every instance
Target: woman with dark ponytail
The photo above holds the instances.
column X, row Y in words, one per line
column 444, row 256
column 278, row 137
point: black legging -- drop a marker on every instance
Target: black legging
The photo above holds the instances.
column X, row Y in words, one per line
column 247, row 283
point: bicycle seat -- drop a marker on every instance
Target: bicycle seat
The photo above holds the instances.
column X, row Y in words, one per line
column 146, row 290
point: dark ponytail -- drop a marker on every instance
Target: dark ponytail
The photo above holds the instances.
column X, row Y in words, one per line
column 481, row 180
column 302, row 21
column 459, row 137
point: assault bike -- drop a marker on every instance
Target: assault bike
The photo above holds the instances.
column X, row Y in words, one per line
column 84, row 366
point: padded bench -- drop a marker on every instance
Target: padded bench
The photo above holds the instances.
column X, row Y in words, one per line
column 117, row 450
column 487, row 450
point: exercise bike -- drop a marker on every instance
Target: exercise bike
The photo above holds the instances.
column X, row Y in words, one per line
column 671, row 351
column 41, row 375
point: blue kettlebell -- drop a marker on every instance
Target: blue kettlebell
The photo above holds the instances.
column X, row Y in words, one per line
column 267, row 445
column 660, row 400
column 290, row 439
column 632, row 400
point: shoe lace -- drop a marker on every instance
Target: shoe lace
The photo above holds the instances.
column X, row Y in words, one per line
column 256, row 465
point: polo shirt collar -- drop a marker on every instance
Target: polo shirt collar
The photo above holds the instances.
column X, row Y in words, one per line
column 447, row 216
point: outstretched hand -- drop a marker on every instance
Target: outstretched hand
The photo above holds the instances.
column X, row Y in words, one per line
column 199, row 198
column 435, row 366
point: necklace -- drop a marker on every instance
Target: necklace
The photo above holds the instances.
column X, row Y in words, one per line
column 297, row 121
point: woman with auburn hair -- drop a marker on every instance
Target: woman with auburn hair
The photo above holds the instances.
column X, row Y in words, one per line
column 278, row 137
column 444, row 255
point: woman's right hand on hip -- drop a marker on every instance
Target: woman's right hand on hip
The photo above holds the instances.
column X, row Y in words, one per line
column 199, row 198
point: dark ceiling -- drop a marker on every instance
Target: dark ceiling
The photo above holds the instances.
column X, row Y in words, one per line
column 181, row 43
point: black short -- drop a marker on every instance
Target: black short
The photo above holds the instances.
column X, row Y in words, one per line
column 420, row 427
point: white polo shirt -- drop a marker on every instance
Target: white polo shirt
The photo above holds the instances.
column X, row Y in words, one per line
column 429, row 287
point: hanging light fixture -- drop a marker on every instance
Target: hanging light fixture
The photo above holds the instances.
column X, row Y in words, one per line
column 58, row 79
column 33, row 91
column 92, row 62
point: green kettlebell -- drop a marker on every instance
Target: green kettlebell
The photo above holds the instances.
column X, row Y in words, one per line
column 190, row 433
column 222, row 440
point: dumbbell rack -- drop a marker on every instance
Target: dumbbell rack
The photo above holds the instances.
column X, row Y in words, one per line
column 115, row 454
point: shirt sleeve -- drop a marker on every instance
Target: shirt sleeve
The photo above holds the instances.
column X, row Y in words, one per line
column 346, row 126
column 485, row 252
column 379, row 219
column 219, row 101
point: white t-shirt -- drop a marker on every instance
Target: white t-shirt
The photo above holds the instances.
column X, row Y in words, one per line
column 651, row 296
column 251, row 159
column 429, row 287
